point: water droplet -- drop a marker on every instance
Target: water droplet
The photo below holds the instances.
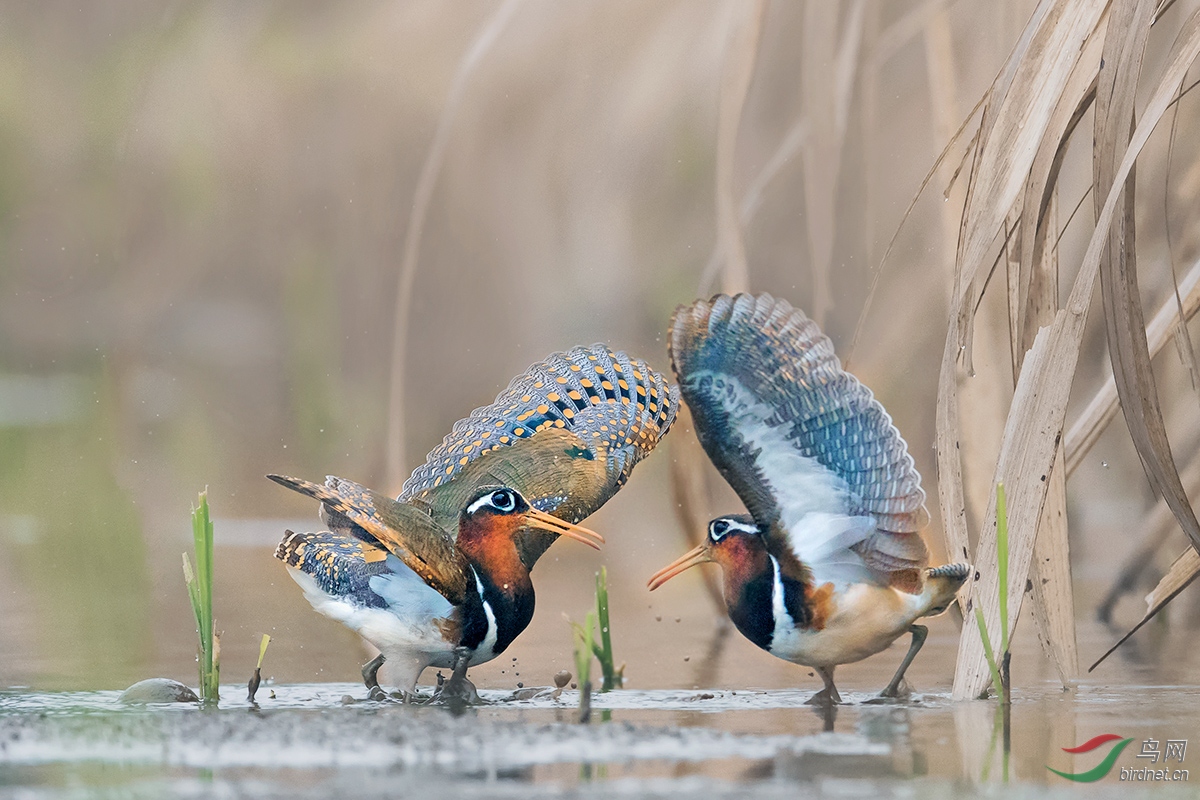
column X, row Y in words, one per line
column 1104, row 464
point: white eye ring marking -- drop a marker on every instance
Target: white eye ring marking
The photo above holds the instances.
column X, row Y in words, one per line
column 721, row 527
column 503, row 500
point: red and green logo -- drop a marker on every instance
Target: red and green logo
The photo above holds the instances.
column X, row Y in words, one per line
column 1104, row 767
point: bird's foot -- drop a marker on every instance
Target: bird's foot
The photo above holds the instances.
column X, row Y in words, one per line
column 892, row 695
column 457, row 692
column 462, row 691
column 825, row 697
column 370, row 676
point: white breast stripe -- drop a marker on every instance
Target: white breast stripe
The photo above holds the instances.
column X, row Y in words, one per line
column 783, row 639
column 487, row 647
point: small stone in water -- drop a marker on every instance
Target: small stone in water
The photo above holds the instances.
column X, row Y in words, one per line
column 520, row 685
column 574, row 685
column 679, row 619
column 158, row 690
column 658, row 618
column 687, row 658
column 562, row 678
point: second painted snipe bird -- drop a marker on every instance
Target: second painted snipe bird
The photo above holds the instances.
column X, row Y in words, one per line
column 440, row 576
column 829, row 566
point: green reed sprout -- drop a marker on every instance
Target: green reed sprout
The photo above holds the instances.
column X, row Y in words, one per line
column 256, row 678
column 999, row 667
column 613, row 678
column 200, row 592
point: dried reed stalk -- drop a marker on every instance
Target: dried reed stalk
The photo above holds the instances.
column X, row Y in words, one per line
column 1036, row 416
column 488, row 34
column 826, row 106
column 1102, row 408
column 740, row 59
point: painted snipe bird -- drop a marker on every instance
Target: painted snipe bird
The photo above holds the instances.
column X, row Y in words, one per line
column 440, row 575
column 829, row 566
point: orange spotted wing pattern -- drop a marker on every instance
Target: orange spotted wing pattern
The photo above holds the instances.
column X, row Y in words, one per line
column 566, row 433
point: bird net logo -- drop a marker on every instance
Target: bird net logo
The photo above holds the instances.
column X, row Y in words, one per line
column 1154, row 751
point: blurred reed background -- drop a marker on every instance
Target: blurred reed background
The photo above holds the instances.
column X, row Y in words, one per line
column 204, row 210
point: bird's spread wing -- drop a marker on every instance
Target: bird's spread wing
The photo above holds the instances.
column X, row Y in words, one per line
column 566, row 433
column 403, row 530
column 808, row 448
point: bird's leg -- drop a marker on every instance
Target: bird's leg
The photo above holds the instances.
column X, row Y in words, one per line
column 919, row 632
column 370, row 672
column 458, row 691
column 829, row 695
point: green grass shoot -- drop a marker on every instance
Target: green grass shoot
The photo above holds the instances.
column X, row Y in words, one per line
column 583, row 649
column 987, row 650
column 256, row 678
column 1001, row 596
column 262, row 650
column 200, row 592
column 613, row 678
column 586, row 644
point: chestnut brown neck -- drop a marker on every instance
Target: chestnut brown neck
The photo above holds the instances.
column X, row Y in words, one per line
column 489, row 543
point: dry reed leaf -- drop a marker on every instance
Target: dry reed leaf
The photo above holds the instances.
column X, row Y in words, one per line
column 1183, row 339
column 735, row 85
column 1050, row 580
column 1050, row 573
column 1016, row 295
column 1077, row 97
column 1036, row 417
column 1015, row 123
column 1126, row 330
column 488, row 34
column 1178, row 577
column 1102, row 408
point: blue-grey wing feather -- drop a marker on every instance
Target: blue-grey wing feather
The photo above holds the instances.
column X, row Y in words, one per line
column 750, row 358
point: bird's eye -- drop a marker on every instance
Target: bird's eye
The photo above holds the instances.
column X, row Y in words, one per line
column 719, row 528
column 504, row 500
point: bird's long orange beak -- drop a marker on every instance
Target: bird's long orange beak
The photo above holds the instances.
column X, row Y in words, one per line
column 698, row 555
column 548, row 522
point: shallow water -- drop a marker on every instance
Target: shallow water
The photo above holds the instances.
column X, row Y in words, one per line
column 317, row 739
column 705, row 712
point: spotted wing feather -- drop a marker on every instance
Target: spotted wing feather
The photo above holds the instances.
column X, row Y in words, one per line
column 403, row 530
column 566, row 433
column 807, row 447
column 340, row 566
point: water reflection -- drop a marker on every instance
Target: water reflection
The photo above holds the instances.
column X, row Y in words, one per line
column 75, row 558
